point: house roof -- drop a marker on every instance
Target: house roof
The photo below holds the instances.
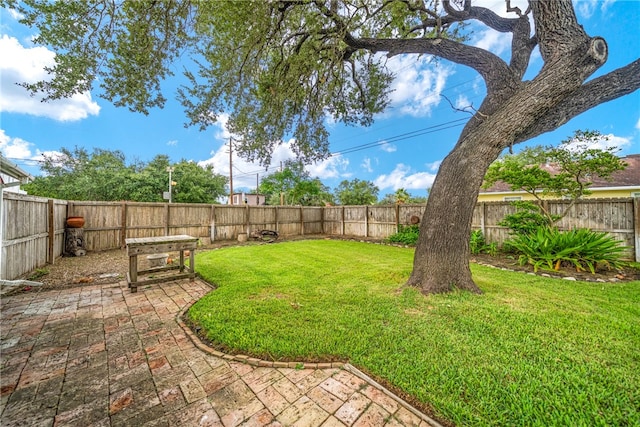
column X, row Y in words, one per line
column 629, row 177
column 11, row 170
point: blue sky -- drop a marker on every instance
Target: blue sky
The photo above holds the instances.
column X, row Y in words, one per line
column 402, row 149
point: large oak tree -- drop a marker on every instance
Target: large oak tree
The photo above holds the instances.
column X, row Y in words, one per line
column 281, row 67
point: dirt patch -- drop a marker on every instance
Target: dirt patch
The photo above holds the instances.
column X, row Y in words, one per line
column 102, row 267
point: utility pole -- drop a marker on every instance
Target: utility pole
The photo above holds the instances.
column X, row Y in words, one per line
column 230, row 171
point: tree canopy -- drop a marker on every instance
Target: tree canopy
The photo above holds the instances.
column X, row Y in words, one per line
column 76, row 174
column 294, row 186
column 282, row 67
column 357, row 192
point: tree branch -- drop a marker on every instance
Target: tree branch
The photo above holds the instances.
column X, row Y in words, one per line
column 494, row 70
column 482, row 14
column 615, row 84
column 557, row 28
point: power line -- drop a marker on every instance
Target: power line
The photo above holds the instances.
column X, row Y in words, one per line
column 395, row 138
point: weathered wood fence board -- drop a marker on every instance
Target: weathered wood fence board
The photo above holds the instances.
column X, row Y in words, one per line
column 34, row 227
column 29, row 225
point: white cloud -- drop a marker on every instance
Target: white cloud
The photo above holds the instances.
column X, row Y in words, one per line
column 462, row 102
column 366, row 165
column 638, row 124
column 20, row 64
column 172, row 142
column 221, row 123
column 15, row 14
column 244, row 173
column 608, row 141
column 17, row 148
column 417, row 86
column 14, row 148
column 493, row 41
column 333, row 167
column 389, row 148
column 434, row 166
column 403, row 177
column 587, row 8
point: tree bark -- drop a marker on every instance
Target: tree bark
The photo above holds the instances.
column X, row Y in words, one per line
column 441, row 261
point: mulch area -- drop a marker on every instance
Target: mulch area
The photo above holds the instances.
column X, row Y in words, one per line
column 112, row 266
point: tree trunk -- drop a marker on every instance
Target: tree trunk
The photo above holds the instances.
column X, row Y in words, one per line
column 441, row 261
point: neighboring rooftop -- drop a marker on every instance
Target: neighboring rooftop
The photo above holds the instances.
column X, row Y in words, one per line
column 10, row 174
column 629, row 177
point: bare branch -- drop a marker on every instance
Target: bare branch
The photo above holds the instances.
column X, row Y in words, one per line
column 482, row 14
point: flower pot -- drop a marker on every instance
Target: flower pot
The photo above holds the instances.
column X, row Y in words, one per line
column 75, row 222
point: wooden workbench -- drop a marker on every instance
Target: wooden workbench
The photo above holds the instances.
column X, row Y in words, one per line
column 156, row 245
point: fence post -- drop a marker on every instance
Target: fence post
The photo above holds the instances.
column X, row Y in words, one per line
column 397, row 209
column 636, row 226
column 342, row 221
column 302, row 220
column 277, row 220
column 123, row 224
column 212, row 223
column 366, row 221
column 246, row 219
column 166, row 219
column 483, row 213
column 52, row 231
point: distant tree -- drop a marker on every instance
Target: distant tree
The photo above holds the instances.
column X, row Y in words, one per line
column 197, row 184
column 79, row 175
column 294, row 186
column 357, row 192
column 279, row 68
column 150, row 180
column 576, row 164
column 104, row 176
column 401, row 196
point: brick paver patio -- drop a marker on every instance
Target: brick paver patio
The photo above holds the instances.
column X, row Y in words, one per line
column 102, row 356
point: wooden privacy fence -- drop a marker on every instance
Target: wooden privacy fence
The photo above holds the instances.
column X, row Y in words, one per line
column 33, row 228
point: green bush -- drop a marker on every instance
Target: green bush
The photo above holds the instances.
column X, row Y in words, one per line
column 585, row 249
column 406, row 235
column 478, row 244
column 527, row 219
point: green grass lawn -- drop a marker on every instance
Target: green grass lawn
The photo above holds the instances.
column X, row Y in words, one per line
column 530, row 351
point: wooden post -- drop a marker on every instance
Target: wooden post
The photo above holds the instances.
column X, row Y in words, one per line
column 343, row 220
column 366, row 221
column 212, row 223
column 166, row 218
column 246, row 219
column 483, row 213
column 302, row 220
column 277, row 220
column 123, row 225
column 52, row 232
column 397, row 217
column 636, row 226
